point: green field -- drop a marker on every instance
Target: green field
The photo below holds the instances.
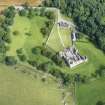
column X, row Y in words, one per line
column 25, row 25
column 91, row 93
column 55, row 42
column 20, row 82
column 96, row 57
column 17, row 88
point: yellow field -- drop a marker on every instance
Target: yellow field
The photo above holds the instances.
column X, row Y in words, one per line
column 5, row 3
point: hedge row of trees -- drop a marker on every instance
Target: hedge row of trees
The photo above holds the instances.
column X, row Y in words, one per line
column 53, row 66
column 54, row 57
column 30, row 13
column 89, row 15
column 6, row 20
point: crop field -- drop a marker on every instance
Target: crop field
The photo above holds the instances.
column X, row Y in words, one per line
column 91, row 93
column 6, row 3
column 18, row 2
column 22, row 88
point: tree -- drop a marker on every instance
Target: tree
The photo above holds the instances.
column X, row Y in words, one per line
column 42, row 11
column 10, row 60
column 19, row 51
column 36, row 50
column 31, row 13
column 45, row 31
column 88, row 16
column 100, row 71
column 9, row 12
column 33, row 63
column 23, row 12
column 100, row 103
column 9, row 21
column 22, row 57
column 50, row 15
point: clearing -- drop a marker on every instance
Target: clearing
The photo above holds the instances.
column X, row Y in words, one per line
column 20, row 87
column 90, row 93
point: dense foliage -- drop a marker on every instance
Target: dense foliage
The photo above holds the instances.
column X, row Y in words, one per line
column 6, row 20
column 89, row 15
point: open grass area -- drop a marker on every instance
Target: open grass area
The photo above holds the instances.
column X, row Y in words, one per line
column 17, row 88
column 96, row 57
column 24, row 25
column 66, row 37
column 91, row 93
column 55, row 42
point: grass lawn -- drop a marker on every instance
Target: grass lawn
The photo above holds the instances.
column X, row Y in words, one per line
column 24, row 25
column 90, row 93
column 36, row 39
column 96, row 57
column 54, row 40
column 66, row 36
column 17, row 88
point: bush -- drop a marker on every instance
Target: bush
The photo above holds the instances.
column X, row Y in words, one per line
column 45, row 31
column 33, row 63
column 50, row 15
column 22, row 57
column 10, row 60
column 58, row 60
column 47, row 66
column 28, row 34
column 16, row 32
column 100, row 103
column 100, row 72
column 19, row 51
column 36, row 50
